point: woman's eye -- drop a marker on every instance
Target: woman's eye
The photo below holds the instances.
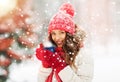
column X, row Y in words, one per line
column 52, row 33
column 62, row 32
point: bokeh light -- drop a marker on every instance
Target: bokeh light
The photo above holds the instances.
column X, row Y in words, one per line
column 6, row 6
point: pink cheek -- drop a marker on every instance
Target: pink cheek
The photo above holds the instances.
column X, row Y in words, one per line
column 54, row 40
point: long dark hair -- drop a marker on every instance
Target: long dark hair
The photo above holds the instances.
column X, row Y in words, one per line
column 71, row 45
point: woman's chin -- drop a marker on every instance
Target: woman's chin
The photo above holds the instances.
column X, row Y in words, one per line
column 59, row 45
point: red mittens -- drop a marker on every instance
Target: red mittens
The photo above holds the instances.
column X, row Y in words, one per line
column 57, row 63
column 50, row 59
column 43, row 55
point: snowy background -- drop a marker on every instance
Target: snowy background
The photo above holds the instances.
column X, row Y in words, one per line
column 101, row 21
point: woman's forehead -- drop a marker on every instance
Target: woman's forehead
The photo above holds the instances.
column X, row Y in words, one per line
column 57, row 30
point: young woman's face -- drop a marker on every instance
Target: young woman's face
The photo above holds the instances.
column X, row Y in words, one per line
column 58, row 37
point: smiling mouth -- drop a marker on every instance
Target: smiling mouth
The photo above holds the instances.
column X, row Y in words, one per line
column 59, row 43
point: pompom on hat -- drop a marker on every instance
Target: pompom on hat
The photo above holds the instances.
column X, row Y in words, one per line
column 63, row 19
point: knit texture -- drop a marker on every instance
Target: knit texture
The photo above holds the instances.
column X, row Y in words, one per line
column 63, row 19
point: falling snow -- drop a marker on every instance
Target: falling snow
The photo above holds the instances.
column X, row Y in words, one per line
column 100, row 20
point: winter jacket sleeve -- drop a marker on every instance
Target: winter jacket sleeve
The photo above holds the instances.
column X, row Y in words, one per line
column 44, row 73
column 84, row 71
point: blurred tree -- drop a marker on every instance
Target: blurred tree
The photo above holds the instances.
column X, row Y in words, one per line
column 17, row 38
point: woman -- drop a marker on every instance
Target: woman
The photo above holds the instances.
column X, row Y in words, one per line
column 68, row 62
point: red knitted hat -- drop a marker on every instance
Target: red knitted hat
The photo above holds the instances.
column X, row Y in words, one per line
column 62, row 20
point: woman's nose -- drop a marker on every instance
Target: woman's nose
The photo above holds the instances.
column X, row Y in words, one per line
column 57, row 37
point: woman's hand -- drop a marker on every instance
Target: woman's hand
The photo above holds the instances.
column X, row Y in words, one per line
column 43, row 55
column 56, row 62
column 50, row 59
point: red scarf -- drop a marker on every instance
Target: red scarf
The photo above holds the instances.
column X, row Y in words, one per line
column 50, row 77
